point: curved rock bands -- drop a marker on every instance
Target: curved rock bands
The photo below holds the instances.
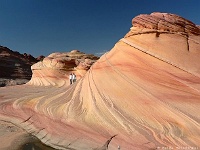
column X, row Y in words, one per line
column 144, row 87
column 143, row 94
column 153, row 55
column 55, row 69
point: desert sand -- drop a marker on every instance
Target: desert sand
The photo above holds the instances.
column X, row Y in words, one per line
column 143, row 94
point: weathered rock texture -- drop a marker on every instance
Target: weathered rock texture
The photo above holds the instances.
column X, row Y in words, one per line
column 55, row 68
column 143, row 94
column 14, row 138
column 15, row 68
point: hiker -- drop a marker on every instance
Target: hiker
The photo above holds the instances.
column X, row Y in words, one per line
column 71, row 78
column 74, row 78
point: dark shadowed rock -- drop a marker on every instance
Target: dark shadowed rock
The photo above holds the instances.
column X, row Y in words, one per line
column 15, row 67
column 40, row 58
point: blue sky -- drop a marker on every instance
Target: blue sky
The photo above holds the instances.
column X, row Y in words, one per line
column 40, row 27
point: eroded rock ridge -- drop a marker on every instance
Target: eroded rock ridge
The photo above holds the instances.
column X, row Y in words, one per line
column 55, row 68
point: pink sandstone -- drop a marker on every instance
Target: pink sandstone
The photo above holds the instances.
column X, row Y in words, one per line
column 143, row 94
column 55, row 68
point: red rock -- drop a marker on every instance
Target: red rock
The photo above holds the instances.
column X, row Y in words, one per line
column 143, row 94
column 15, row 67
column 166, row 22
column 55, row 68
column 40, row 58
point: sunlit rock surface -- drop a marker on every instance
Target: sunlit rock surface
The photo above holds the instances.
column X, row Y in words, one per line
column 55, row 68
column 143, row 94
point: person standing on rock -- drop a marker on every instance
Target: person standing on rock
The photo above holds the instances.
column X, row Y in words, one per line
column 71, row 78
column 74, row 78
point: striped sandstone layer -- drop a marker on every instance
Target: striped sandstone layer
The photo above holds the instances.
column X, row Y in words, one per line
column 143, row 94
column 54, row 69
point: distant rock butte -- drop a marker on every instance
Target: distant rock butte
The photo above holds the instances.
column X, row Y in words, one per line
column 15, row 68
column 143, row 94
column 55, row 68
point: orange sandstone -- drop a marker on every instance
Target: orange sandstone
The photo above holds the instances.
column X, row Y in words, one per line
column 143, row 94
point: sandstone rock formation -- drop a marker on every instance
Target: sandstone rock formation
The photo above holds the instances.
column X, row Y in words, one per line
column 15, row 67
column 143, row 94
column 55, row 68
column 14, row 138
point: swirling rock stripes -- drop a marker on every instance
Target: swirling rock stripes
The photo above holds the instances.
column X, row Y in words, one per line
column 143, row 94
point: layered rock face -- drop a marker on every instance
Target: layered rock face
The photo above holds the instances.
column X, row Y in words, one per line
column 143, row 94
column 180, row 44
column 55, row 68
column 15, row 67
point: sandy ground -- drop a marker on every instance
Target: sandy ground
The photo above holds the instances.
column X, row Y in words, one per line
column 15, row 138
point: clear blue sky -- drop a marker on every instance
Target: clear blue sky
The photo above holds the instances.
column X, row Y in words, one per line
column 40, row 27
